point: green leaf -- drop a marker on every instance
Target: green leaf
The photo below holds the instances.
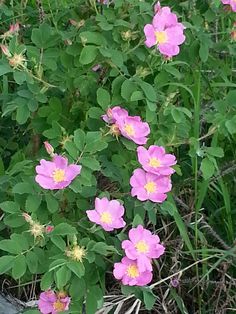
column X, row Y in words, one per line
column 4, row 69
column 137, row 95
column 32, row 262
column 149, row 91
column 91, row 302
column 10, row 246
column 19, row 267
column 79, row 139
column 22, row 188
column 88, row 54
column 149, row 299
column 71, row 149
column 22, row 114
column 231, row 125
column 14, row 221
column 59, row 242
column 207, row 168
column 10, row 207
column 215, row 151
column 204, row 52
column 64, row 229
column 91, row 163
column 63, row 275
column 127, row 89
column 92, row 38
column 44, row 36
column 46, row 281
column 94, row 142
column 77, row 284
column 103, row 98
column 177, row 115
column 6, row 263
column 52, row 203
column 77, row 268
column 33, row 202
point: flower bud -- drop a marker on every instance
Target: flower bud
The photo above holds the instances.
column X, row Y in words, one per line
column 49, row 148
column 27, row 218
column 14, row 28
column 5, row 51
column 49, row 229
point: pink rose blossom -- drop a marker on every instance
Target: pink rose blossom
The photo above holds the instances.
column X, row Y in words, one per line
column 133, row 128
column 165, row 32
column 142, row 247
column 155, row 160
column 56, row 174
column 52, row 303
column 232, row 3
column 128, row 272
column 149, row 186
column 113, row 114
column 107, row 214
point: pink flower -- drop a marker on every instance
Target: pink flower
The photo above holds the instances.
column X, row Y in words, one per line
column 52, row 303
column 14, row 28
column 149, row 186
column 96, row 67
column 56, row 174
column 5, row 50
column 49, row 228
column 165, row 32
column 232, row 3
column 107, row 214
column 157, row 7
column 133, row 128
column 103, row 1
column 113, row 114
column 142, row 247
column 128, row 272
column 155, row 160
column 49, row 148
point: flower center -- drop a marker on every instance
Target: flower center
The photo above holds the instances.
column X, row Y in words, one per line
column 129, row 130
column 132, row 271
column 77, row 253
column 106, row 218
column 58, row 175
column 114, row 130
column 150, row 187
column 58, row 306
column 161, row 37
column 142, row 247
column 154, row 162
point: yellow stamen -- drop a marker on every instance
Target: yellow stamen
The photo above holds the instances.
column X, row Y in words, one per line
column 76, row 254
column 142, row 247
column 59, row 306
column 154, row 162
column 161, row 37
column 132, row 271
column 106, row 218
column 150, row 187
column 58, row 175
column 129, row 130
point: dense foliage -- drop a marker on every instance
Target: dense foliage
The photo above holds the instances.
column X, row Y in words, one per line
column 62, row 67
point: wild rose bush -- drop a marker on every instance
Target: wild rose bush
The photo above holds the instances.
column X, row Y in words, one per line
column 118, row 125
